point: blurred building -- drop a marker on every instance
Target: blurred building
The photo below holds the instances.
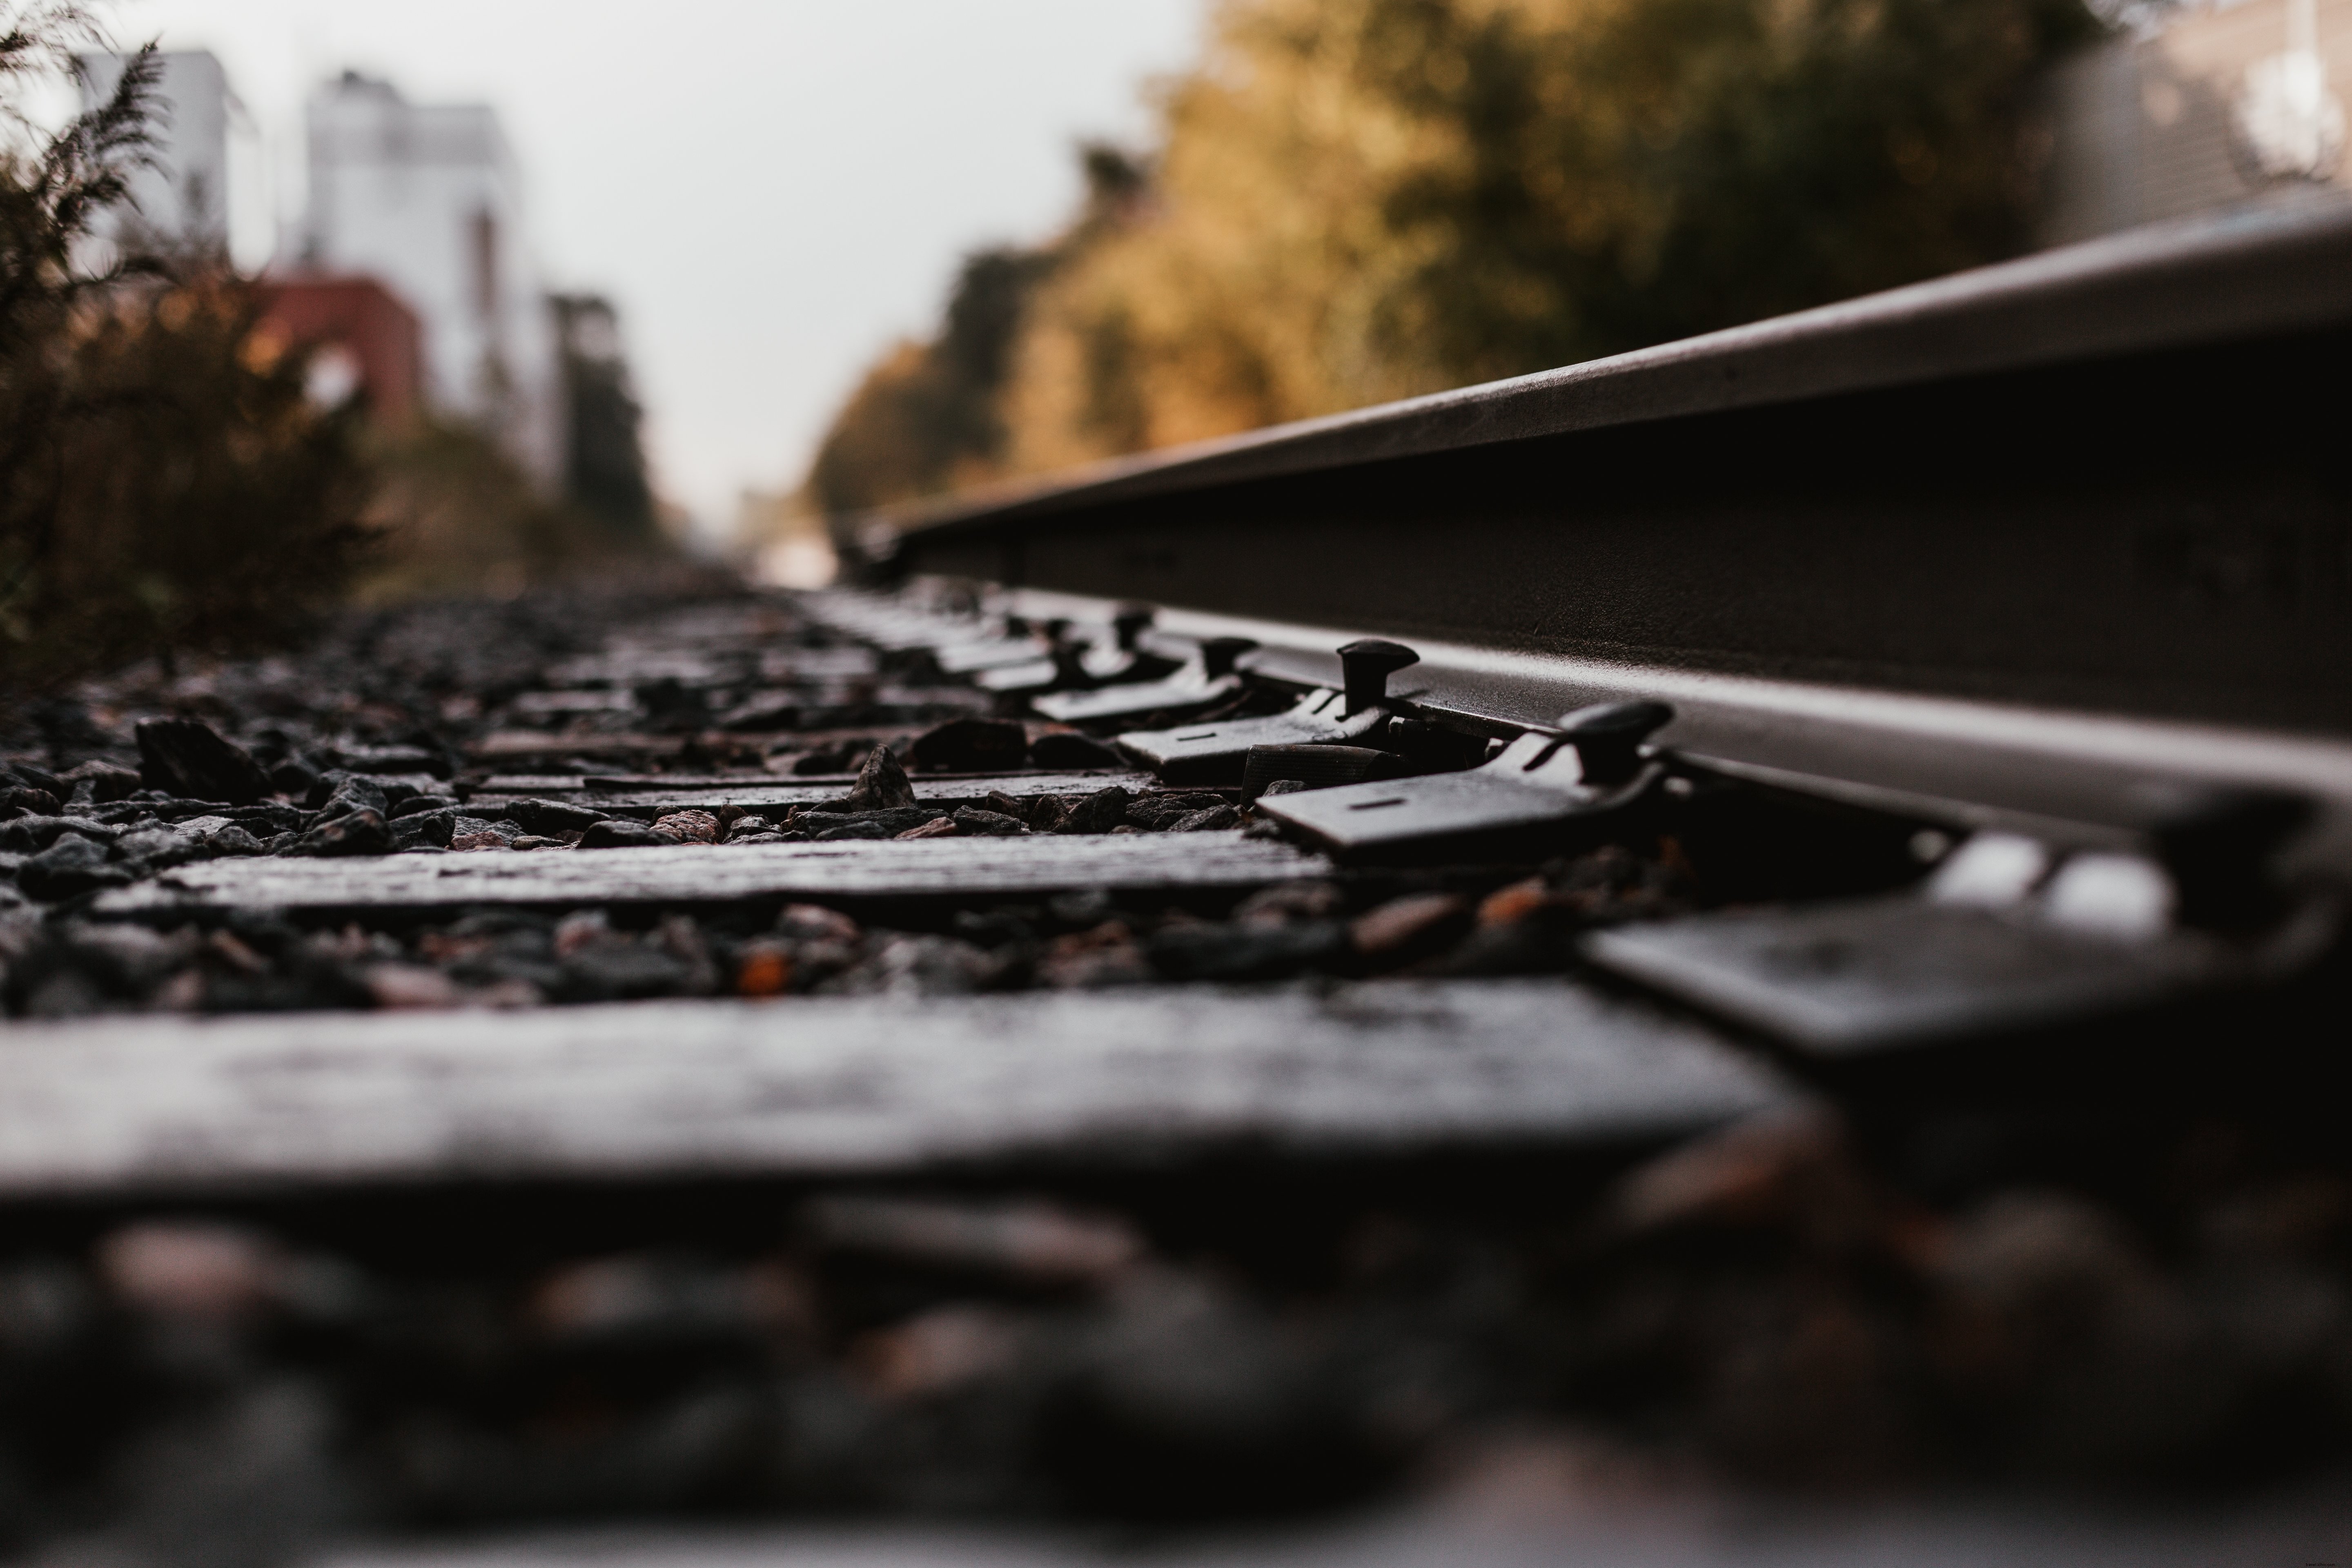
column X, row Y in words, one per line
column 183, row 199
column 361, row 337
column 783, row 540
column 604, row 457
column 2214, row 105
column 427, row 199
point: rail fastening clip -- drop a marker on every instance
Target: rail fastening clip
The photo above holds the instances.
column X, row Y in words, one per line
column 1542, row 783
column 1216, row 754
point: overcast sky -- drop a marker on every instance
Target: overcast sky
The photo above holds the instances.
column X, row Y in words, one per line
column 771, row 190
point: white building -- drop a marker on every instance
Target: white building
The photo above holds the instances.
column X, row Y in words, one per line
column 204, row 157
column 426, row 198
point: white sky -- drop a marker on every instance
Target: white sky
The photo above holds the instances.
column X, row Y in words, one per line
column 771, row 190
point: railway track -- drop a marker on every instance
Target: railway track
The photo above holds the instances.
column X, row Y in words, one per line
column 1683, row 899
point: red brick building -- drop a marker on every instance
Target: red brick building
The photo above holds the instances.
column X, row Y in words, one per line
column 363, row 336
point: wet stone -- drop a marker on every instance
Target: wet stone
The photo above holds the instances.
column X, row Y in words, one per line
column 1289, row 901
column 210, row 842
column 361, row 832
column 1099, row 812
column 977, row 824
column 881, row 785
column 687, row 828
column 885, row 824
column 1412, row 926
column 295, row 777
column 23, row 774
column 1021, row 1239
column 552, row 817
column 71, row 866
column 430, row 761
column 425, row 829
column 971, row 746
column 23, row 801
column 629, row 971
column 148, row 850
column 1069, row 749
column 1239, row 952
column 1157, row 812
column 30, row 834
column 917, row 964
column 621, row 833
column 348, row 793
column 261, row 821
column 189, row 757
column 153, row 849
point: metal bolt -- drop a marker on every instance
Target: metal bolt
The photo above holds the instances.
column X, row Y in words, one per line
column 1218, row 654
column 2218, row 843
column 1608, row 736
column 1367, row 665
column 1129, row 624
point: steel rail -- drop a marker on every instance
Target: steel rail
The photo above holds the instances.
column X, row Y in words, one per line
column 2073, row 778
column 2003, row 545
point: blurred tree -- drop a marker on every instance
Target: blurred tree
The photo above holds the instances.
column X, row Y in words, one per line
column 1366, row 199
column 456, row 516
column 182, row 499
column 1358, row 200
column 925, row 417
column 163, row 487
column 604, row 457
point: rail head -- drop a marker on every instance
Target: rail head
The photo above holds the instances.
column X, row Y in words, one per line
column 2284, row 266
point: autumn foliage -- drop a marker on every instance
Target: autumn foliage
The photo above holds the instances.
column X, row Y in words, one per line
column 1359, row 200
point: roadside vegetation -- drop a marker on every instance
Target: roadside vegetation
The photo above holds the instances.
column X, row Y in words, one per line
column 1352, row 201
column 170, row 487
column 163, row 491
